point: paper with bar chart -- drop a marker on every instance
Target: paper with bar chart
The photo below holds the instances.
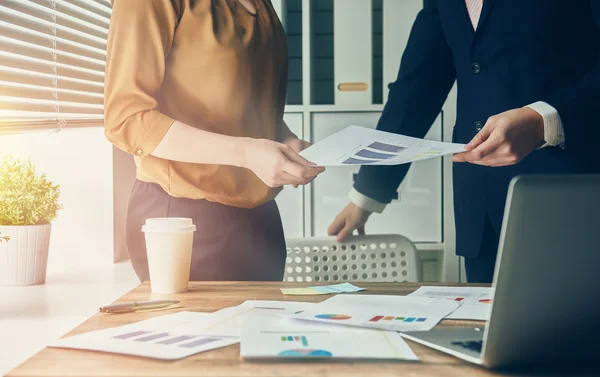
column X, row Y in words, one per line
column 475, row 302
column 168, row 337
column 392, row 313
column 356, row 145
column 264, row 338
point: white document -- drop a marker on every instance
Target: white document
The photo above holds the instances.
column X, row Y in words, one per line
column 168, row 337
column 356, row 145
column 475, row 301
column 266, row 338
column 228, row 322
column 392, row 313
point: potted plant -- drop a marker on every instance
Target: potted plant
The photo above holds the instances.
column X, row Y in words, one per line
column 28, row 203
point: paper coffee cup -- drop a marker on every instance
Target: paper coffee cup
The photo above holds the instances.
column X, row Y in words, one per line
column 169, row 248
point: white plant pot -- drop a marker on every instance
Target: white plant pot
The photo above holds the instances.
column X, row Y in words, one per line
column 23, row 259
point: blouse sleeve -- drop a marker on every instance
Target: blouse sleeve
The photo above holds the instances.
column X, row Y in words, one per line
column 139, row 39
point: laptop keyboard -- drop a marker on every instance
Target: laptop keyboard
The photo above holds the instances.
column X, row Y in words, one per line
column 473, row 345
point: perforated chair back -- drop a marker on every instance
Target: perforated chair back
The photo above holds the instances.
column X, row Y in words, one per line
column 372, row 258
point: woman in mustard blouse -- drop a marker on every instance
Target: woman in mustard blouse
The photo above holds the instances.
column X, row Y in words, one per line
column 195, row 90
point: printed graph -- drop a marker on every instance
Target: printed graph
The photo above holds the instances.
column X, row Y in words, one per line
column 334, row 317
column 295, row 339
column 166, row 339
column 378, row 318
column 390, row 148
column 366, row 153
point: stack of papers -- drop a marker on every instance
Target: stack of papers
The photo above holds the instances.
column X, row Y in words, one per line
column 321, row 290
column 364, row 146
column 392, row 313
column 294, row 339
column 475, row 302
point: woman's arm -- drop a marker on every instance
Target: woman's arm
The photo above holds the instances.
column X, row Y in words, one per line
column 140, row 38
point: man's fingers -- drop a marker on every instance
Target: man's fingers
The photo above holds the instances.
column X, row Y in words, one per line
column 337, row 225
column 482, row 135
column 476, row 154
column 344, row 233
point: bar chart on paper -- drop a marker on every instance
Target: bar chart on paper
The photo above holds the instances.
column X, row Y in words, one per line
column 264, row 338
column 391, row 313
column 295, row 339
column 168, row 337
column 378, row 318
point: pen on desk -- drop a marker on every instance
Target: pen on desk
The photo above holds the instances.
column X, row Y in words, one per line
column 127, row 307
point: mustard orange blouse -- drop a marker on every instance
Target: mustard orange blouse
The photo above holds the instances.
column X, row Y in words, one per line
column 210, row 64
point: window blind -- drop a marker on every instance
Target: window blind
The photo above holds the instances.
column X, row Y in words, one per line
column 52, row 57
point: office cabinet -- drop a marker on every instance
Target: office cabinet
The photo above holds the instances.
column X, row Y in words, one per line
column 291, row 200
column 353, row 62
column 416, row 213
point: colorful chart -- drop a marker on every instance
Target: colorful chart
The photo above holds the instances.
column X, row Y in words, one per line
column 295, row 339
column 486, row 301
column 305, row 353
column 334, row 317
column 378, row 318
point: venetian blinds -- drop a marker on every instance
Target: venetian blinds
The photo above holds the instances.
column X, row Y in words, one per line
column 52, row 56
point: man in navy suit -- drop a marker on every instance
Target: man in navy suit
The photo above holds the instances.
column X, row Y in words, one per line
column 528, row 79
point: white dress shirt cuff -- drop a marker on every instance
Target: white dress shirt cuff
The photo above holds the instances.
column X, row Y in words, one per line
column 554, row 133
column 365, row 202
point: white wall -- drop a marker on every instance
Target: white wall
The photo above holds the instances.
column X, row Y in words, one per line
column 80, row 161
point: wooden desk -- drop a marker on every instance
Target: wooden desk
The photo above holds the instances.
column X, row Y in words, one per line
column 211, row 296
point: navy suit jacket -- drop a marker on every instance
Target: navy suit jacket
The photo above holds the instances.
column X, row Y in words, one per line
column 523, row 51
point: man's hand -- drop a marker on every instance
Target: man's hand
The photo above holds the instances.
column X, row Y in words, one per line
column 352, row 217
column 297, row 146
column 505, row 139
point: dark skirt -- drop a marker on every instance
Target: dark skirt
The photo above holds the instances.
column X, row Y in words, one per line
column 230, row 243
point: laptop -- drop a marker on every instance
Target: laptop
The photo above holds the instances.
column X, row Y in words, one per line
column 547, row 280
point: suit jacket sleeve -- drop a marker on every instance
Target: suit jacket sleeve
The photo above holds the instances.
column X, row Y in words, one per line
column 425, row 77
column 578, row 109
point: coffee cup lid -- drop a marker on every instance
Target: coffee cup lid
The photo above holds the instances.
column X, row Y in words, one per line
column 169, row 224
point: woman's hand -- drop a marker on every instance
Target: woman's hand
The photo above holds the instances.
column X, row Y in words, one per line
column 277, row 164
column 297, row 146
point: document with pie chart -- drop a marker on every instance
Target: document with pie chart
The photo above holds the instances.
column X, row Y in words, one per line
column 475, row 302
column 391, row 313
column 286, row 338
column 356, row 145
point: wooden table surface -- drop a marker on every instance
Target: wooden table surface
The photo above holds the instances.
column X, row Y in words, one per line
column 211, row 296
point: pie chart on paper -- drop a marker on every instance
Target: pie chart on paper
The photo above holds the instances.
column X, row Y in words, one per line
column 334, row 317
column 486, row 301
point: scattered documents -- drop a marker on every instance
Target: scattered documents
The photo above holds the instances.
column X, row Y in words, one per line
column 322, row 290
column 178, row 335
column 475, row 302
column 168, row 337
column 267, row 338
column 356, row 145
column 392, row 313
